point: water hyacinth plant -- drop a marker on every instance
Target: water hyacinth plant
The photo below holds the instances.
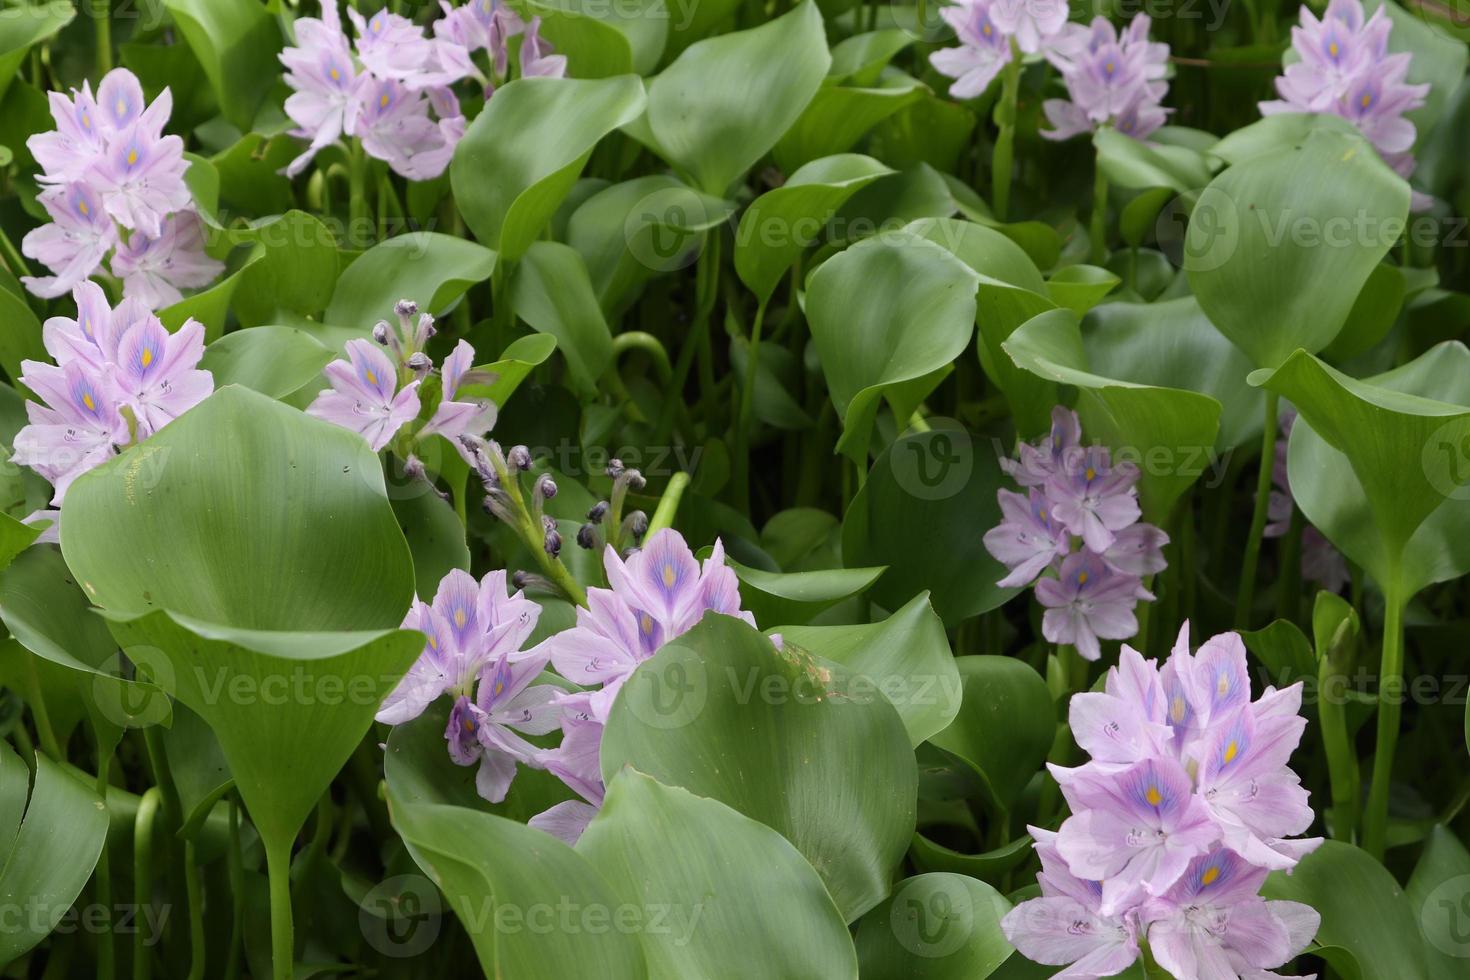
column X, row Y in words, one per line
column 543, row 490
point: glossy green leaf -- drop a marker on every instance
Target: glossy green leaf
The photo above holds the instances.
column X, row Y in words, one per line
column 1285, row 651
column 1437, row 893
column 50, row 855
column 211, row 307
column 935, row 927
column 1368, row 928
column 1278, row 132
column 1382, row 463
column 906, row 657
column 888, row 317
column 1140, row 165
column 1081, row 287
column 722, row 713
column 434, row 533
column 21, row 338
column 992, row 866
column 236, row 42
column 1279, row 246
column 780, row 224
column 926, row 487
column 861, row 58
column 725, row 101
column 505, row 881
column 23, row 26
column 738, row 892
column 1373, row 314
column 514, row 365
column 296, row 269
column 197, row 763
column 431, row 269
column 508, row 189
column 274, row 361
column 1005, row 724
column 790, row 598
column 838, row 116
column 245, row 512
column 550, row 290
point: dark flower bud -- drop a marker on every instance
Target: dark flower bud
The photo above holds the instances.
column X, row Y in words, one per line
column 637, row 523
column 615, row 467
column 519, row 458
column 587, row 536
column 598, row 511
column 634, row 479
column 407, row 309
column 546, row 487
column 520, row 579
column 419, row 363
column 382, row 333
column 553, row 544
column 548, row 523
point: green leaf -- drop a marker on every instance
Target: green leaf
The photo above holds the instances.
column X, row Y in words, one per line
column 431, row 269
column 723, row 714
column 860, row 59
column 992, row 866
column 1285, row 650
column 1368, row 928
column 1381, row 465
column 50, row 855
column 1140, row 215
column 551, row 291
column 1278, row 132
column 888, row 317
column 497, row 874
column 926, row 487
column 516, row 363
column 1136, row 165
column 838, row 116
column 1437, row 892
column 1081, row 287
column 1005, row 725
column 906, row 657
column 795, row 597
column 735, row 890
column 725, row 101
column 597, row 37
column 935, row 927
column 274, row 361
column 1280, row 245
column 245, row 512
column 1168, row 433
column 236, row 42
column 1373, row 315
column 211, row 307
column 21, row 338
column 434, row 534
column 21, row 27
column 198, row 766
column 296, row 269
column 508, row 188
column 782, row 223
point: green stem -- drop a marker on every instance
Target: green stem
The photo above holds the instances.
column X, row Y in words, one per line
column 1005, row 141
column 706, row 271
column 196, row 912
column 1246, row 595
column 39, row 714
column 106, row 952
column 1342, row 761
column 237, row 894
column 643, row 340
column 148, row 808
column 1390, row 705
column 12, row 256
column 1098, row 229
column 357, row 194
column 102, row 20
column 747, row 406
column 278, row 869
column 668, row 504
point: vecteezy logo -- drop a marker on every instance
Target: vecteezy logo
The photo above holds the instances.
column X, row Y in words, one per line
column 1213, row 233
column 132, row 689
column 1445, row 917
column 665, row 230
column 934, row 465
column 1446, row 458
column 932, row 915
column 400, row 916
column 669, row 691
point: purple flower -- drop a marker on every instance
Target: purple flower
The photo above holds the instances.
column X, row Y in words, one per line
column 366, row 396
column 1092, row 498
column 321, row 72
column 1039, row 462
column 577, row 761
column 984, row 48
column 1087, row 602
column 452, row 419
column 156, row 269
column 77, row 427
column 1028, row 539
column 481, row 25
column 537, row 61
column 155, row 372
column 1111, row 80
column 469, row 626
column 485, row 730
column 1031, row 22
column 393, row 123
column 74, row 245
column 141, row 177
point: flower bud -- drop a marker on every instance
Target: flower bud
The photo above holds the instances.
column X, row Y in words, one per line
column 519, row 458
column 382, row 333
column 553, row 544
column 419, row 363
column 545, row 487
column 598, row 511
column 587, row 536
column 615, row 467
column 406, row 309
column 636, row 523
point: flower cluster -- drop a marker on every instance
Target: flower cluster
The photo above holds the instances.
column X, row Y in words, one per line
column 396, row 97
column 655, row 595
column 376, row 395
column 1320, row 561
column 119, row 377
column 991, row 33
column 1112, row 79
column 114, row 183
column 473, row 638
column 1075, row 496
column 1185, row 807
column 1344, row 68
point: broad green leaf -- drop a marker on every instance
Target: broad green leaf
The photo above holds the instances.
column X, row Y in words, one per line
column 892, row 201
column 288, row 708
column 50, row 856
column 514, row 365
column 274, row 361
column 431, row 269
column 508, row 188
column 992, row 866
column 928, row 487
column 1373, row 314
column 1368, row 926
column 722, row 713
column 21, row 338
column 1139, row 217
column 888, row 317
column 551, row 291
column 247, row 513
column 790, row 598
column 211, row 307
column 1005, row 725
column 838, row 116
column 935, row 927
column 1286, row 652
column 1136, row 165
column 504, row 879
column 1278, row 132
column 577, row 28
column 15, row 538
column 1381, row 465
column 1081, row 287
column 782, row 223
column 1279, row 246
column 1438, row 892
column 736, row 891
column 236, row 42
column 296, row 269
column 1168, row 433
column 725, row 101
column 434, row 534
column 906, row 657
column 23, row 26
column 861, row 58
column 197, row 763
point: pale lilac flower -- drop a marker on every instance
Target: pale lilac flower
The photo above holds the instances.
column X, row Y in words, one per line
column 74, row 245
column 141, row 177
column 156, row 269
column 76, row 427
column 452, row 419
column 80, row 136
column 481, row 25
column 1137, row 549
column 155, row 372
column 1111, row 79
column 1093, row 498
column 1039, row 462
column 366, row 395
column 321, row 72
column 577, row 762
column 394, row 125
column 1031, row 22
column 1028, row 539
column 983, row 51
column 537, row 61
column 1124, row 722
column 469, row 626
column 1088, row 602
column 390, row 46
column 486, row 729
